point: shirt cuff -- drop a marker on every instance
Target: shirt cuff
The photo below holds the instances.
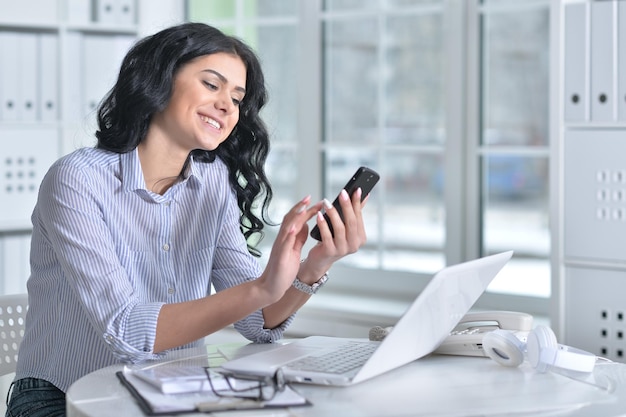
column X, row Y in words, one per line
column 138, row 334
column 252, row 328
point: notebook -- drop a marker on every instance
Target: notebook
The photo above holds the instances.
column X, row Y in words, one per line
column 178, row 379
column 425, row 324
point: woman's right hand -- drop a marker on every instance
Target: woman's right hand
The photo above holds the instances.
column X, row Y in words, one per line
column 284, row 260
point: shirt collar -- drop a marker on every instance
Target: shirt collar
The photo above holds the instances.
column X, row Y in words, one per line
column 193, row 172
column 132, row 174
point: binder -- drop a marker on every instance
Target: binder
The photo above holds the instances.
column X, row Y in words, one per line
column 14, row 251
column 28, row 63
column 25, row 262
column 9, row 73
column 26, row 158
column 11, row 258
column 594, row 228
column 575, row 74
column 102, row 56
column 602, row 61
column 48, row 72
column 621, row 61
column 104, row 11
column 122, row 44
column 97, row 57
column 125, row 12
column 32, row 11
column 72, row 82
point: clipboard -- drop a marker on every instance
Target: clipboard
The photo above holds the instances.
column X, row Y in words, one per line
column 154, row 403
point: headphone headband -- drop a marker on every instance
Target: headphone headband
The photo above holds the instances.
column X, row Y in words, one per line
column 567, row 357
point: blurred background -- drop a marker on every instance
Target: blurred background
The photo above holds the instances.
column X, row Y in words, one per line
column 446, row 99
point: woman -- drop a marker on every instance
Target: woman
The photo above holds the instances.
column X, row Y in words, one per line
column 129, row 236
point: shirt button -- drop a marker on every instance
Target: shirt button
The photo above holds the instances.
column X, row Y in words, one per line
column 166, row 247
column 171, row 290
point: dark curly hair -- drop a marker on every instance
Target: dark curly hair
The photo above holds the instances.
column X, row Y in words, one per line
column 144, row 87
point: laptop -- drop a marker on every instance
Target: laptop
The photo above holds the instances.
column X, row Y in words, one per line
column 422, row 328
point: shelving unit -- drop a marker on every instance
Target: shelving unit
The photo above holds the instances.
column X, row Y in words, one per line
column 590, row 128
column 58, row 59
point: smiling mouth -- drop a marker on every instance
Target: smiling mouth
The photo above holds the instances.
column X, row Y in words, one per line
column 210, row 121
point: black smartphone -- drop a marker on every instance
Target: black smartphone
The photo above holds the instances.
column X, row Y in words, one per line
column 364, row 178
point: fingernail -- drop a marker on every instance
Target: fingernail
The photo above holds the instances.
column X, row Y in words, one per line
column 304, row 202
column 327, row 204
column 344, row 195
column 359, row 191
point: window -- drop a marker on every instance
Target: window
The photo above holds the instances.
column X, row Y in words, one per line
column 447, row 100
column 271, row 28
column 513, row 144
column 383, row 106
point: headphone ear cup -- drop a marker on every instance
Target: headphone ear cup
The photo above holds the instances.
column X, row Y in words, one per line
column 504, row 348
column 541, row 348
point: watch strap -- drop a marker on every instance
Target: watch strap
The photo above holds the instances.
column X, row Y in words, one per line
column 310, row 289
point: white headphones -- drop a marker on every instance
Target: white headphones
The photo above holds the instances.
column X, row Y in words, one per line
column 541, row 350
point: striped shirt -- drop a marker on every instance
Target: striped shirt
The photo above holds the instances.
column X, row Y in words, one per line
column 107, row 253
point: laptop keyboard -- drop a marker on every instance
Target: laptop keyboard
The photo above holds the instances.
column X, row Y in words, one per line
column 345, row 358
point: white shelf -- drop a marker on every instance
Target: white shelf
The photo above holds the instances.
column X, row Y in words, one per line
column 30, row 26
column 28, row 147
column 11, row 226
column 43, row 56
column 100, row 28
column 590, row 197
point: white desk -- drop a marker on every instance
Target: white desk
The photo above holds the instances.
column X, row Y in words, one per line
column 432, row 386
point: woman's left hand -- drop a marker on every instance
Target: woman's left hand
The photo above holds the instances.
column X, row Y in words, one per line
column 349, row 235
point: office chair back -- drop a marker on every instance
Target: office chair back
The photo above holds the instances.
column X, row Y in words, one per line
column 13, row 309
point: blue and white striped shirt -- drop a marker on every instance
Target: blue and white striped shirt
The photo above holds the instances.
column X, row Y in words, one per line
column 106, row 254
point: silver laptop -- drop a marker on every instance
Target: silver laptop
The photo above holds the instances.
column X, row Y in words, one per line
column 426, row 323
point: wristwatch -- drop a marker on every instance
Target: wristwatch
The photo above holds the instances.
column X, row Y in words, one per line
column 310, row 289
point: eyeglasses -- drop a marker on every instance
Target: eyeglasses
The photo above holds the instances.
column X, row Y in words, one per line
column 248, row 387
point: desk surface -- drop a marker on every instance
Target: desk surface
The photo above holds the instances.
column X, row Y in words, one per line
column 436, row 385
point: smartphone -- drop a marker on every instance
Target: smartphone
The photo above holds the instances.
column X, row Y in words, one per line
column 364, row 178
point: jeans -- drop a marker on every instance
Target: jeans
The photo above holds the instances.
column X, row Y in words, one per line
column 32, row 397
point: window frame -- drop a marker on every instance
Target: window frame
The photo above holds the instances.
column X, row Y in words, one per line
column 463, row 228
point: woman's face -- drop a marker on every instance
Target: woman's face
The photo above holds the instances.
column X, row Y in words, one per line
column 204, row 107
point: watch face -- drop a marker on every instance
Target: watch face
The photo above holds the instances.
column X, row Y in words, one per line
column 316, row 286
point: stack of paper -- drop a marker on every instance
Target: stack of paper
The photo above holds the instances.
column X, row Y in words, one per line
column 180, row 379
